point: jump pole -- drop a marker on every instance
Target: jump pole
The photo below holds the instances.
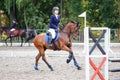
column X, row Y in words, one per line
column 88, row 56
column 86, row 50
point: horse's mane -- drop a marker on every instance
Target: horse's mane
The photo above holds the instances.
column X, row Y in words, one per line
column 71, row 21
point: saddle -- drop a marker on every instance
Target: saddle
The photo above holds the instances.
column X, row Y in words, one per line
column 51, row 37
column 53, row 40
column 15, row 32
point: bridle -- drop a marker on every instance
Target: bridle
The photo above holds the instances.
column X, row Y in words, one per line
column 76, row 28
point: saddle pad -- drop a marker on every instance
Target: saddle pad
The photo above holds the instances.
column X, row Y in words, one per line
column 46, row 38
column 15, row 32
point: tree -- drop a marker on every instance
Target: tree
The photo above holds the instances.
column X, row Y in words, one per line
column 10, row 8
column 36, row 13
column 93, row 13
column 110, row 13
column 103, row 13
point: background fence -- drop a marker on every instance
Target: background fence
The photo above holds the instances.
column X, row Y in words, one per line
column 114, row 35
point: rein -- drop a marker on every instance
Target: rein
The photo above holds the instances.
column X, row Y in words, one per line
column 64, row 32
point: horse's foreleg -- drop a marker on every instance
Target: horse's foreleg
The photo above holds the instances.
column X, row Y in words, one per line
column 11, row 40
column 44, row 59
column 65, row 48
column 36, row 62
column 71, row 56
column 76, row 64
column 6, row 41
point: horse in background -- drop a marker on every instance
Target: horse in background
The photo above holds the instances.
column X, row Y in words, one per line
column 17, row 33
column 64, row 42
column 22, row 33
column 30, row 35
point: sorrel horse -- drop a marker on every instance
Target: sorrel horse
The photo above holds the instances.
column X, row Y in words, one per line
column 71, row 30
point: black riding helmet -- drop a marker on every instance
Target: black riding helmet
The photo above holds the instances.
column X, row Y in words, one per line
column 55, row 8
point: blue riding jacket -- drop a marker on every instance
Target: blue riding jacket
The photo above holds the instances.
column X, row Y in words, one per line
column 14, row 26
column 54, row 22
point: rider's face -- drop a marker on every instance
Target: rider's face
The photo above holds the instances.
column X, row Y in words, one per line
column 56, row 11
column 13, row 21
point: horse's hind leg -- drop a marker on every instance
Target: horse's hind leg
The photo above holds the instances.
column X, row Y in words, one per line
column 29, row 38
column 44, row 59
column 21, row 41
column 36, row 62
column 41, row 53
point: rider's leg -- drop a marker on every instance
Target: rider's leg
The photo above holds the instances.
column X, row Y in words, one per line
column 50, row 39
column 12, row 31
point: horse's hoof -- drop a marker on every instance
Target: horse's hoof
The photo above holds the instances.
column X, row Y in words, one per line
column 50, row 67
column 36, row 67
column 52, row 70
column 79, row 68
column 67, row 61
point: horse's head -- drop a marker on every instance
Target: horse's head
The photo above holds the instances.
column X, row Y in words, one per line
column 74, row 29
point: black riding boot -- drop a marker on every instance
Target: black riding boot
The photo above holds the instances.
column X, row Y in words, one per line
column 50, row 39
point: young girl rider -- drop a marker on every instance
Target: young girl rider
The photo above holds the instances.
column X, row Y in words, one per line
column 53, row 25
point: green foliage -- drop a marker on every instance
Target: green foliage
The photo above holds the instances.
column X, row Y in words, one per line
column 7, row 4
column 94, row 13
column 96, row 33
column 111, row 14
column 36, row 13
column 103, row 13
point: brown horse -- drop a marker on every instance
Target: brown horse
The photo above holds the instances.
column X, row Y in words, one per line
column 63, row 43
column 17, row 34
column 22, row 33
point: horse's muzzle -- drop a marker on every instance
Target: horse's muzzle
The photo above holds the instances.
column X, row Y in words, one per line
column 75, row 37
